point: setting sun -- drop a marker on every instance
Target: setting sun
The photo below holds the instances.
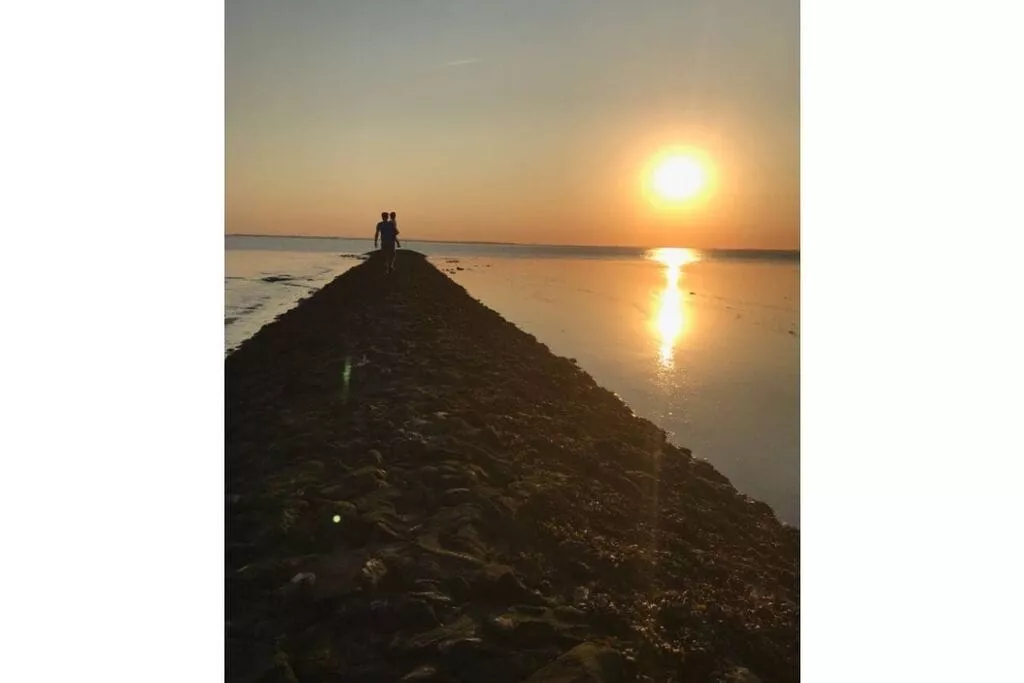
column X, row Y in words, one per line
column 679, row 178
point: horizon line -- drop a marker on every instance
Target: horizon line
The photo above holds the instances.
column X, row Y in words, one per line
column 512, row 244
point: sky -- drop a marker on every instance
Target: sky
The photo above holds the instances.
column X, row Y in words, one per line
column 527, row 121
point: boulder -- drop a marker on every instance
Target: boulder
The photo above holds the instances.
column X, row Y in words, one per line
column 585, row 663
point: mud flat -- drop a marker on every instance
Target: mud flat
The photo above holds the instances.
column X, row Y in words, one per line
column 417, row 490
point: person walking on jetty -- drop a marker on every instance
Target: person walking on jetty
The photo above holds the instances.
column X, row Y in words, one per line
column 387, row 233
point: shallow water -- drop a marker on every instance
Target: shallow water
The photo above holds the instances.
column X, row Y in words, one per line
column 704, row 344
column 261, row 284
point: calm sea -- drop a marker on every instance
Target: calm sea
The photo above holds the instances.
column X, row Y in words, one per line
column 705, row 344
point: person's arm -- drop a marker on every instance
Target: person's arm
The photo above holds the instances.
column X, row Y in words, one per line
column 398, row 242
column 376, row 234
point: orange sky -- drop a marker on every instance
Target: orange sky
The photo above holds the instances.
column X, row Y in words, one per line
column 512, row 122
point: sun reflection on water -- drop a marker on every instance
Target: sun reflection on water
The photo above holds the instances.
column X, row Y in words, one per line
column 669, row 319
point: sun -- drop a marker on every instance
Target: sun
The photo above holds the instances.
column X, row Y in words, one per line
column 678, row 177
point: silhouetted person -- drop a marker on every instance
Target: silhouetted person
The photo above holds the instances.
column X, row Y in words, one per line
column 387, row 233
column 394, row 224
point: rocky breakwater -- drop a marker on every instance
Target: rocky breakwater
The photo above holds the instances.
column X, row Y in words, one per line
column 417, row 490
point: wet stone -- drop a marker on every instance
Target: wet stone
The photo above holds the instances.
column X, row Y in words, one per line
column 531, row 610
column 455, row 496
column 740, row 674
column 500, row 582
column 442, row 637
column 369, row 475
column 313, row 467
column 585, row 663
column 373, row 572
column 399, row 614
column 522, row 631
column 570, row 614
column 339, row 510
column 421, row 673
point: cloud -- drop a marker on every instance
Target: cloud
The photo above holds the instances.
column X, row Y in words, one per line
column 463, row 62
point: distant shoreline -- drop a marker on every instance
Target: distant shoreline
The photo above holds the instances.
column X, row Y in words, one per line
column 527, row 244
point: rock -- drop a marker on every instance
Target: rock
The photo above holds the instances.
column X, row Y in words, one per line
column 340, row 510
column 304, row 577
column 635, row 489
column 432, row 596
column 740, row 674
column 707, row 471
column 443, row 637
column 368, row 478
column 601, row 601
column 475, row 419
column 383, row 531
column 579, row 570
column 313, row 467
column 409, row 446
column 421, row 673
column 456, row 495
column 334, row 491
column 280, row 671
column 585, row 663
column 493, row 436
column 499, row 582
column 522, row 630
column 458, row 587
column 467, row 540
column 610, row 621
column 373, row 572
column 427, row 473
column 400, row 614
column 532, row 610
column 378, row 500
column 299, row 589
column 570, row 614
column 338, row 576
column 762, row 508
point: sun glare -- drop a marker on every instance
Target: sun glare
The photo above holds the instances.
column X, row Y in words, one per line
column 678, row 178
column 673, row 257
column 669, row 320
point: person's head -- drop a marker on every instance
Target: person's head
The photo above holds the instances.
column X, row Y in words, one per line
column 384, row 215
column 392, row 215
